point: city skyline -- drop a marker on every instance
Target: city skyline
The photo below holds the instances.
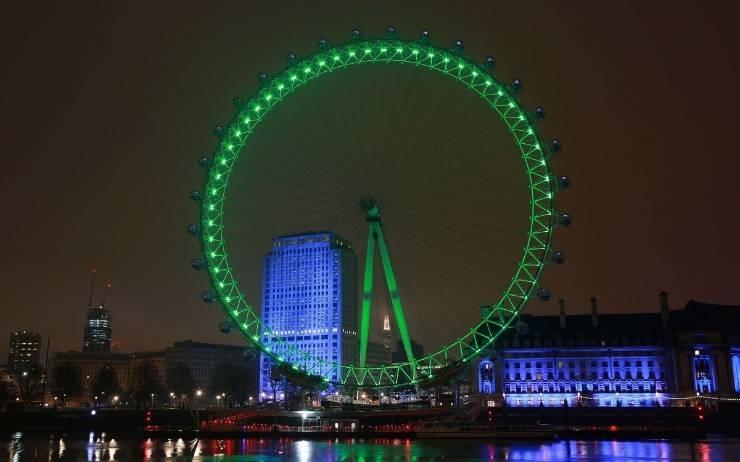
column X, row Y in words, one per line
column 648, row 198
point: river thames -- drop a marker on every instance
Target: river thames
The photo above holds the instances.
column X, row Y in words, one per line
column 102, row 446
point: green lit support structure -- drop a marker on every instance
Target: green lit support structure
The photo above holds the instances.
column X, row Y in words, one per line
column 375, row 234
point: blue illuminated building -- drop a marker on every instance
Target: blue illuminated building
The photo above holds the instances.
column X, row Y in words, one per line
column 637, row 359
column 309, row 300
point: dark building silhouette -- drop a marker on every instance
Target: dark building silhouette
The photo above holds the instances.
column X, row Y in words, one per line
column 23, row 350
column 201, row 358
column 399, row 356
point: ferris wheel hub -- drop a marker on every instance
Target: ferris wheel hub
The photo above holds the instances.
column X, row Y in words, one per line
column 371, row 208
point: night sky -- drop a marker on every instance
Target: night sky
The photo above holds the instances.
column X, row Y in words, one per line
column 106, row 107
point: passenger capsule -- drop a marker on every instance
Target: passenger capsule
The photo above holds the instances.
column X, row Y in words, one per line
column 194, row 230
column 565, row 219
column 262, row 77
column 204, row 162
column 356, row 34
column 539, row 113
column 208, row 296
column 238, row 102
column 425, row 35
column 225, row 327
column 196, row 195
column 555, row 146
column 218, row 130
column 390, row 31
column 558, row 258
column 522, row 328
column 197, row 264
column 458, row 46
column 516, row 85
column 291, row 58
column 489, row 63
column 322, row 43
column 544, row 294
column 563, row 182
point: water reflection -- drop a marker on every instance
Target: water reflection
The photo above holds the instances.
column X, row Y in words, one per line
column 101, row 447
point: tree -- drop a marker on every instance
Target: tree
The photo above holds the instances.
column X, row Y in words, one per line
column 4, row 393
column 28, row 384
column 235, row 381
column 67, row 381
column 180, row 380
column 145, row 383
column 242, row 383
column 106, row 384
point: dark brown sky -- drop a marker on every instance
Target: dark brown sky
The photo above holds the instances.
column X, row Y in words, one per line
column 105, row 107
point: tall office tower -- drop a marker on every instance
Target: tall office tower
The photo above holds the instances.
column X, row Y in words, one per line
column 98, row 325
column 98, row 330
column 309, row 300
column 23, row 350
column 387, row 343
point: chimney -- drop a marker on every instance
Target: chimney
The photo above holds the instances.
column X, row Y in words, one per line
column 664, row 310
column 594, row 312
column 561, row 302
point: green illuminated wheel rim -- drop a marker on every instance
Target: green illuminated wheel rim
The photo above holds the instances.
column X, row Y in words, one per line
column 523, row 283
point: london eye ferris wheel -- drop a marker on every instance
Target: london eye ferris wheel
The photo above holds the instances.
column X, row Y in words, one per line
column 430, row 168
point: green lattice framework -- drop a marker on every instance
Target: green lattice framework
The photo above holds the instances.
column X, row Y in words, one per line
column 364, row 51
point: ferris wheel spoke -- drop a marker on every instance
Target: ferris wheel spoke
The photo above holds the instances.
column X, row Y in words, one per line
column 451, row 232
column 394, row 148
column 436, row 125
column 420, row 315
column 441, row 169
column 455, row 149
column 425, row 241
column 444, row 188
column 455, row 244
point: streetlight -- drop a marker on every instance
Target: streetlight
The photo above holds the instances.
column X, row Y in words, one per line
column 199, row 393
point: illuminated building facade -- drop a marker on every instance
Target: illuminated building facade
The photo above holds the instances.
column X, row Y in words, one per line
column 638, row 359
column 23, row 350
column 98, row 330
column 309, row 300
column 387, row 336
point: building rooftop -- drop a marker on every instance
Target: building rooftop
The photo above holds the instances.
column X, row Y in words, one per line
column 622, row 329
column 300, row 238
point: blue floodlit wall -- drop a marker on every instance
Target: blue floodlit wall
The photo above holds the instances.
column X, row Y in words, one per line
column 703, row 370
column 735, row 355
column 486, row 377
column 619, row 376
column 309, row 300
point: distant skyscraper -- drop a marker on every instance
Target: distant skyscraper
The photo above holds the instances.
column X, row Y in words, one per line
column 387, row 343
column 23, row 351
column 98, row 325
column 309, row 299
column 98, row 331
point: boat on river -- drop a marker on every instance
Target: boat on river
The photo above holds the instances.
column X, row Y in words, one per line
column 456, row 429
